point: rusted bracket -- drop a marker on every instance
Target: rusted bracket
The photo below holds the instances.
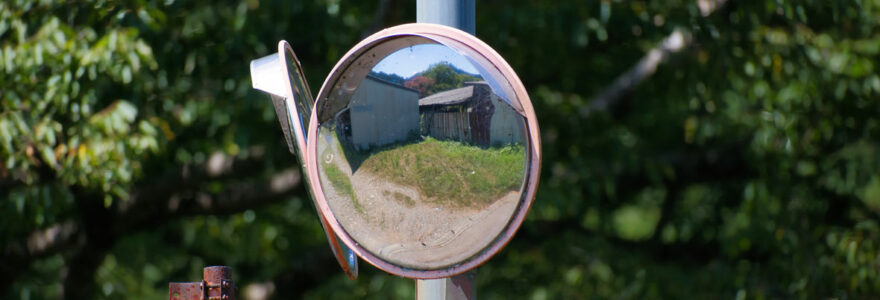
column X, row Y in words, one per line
column 216, row 284
column 223, row 286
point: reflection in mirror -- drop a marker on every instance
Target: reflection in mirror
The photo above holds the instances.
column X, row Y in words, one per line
column 423, row 162
column 302, row 99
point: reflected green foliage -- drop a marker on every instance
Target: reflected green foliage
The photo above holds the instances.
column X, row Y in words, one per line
column 745, row 167
column 442, row 76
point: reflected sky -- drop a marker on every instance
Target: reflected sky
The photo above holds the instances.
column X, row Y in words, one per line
column 411, row 60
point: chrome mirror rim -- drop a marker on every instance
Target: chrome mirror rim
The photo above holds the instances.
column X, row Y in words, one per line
column 454, row 39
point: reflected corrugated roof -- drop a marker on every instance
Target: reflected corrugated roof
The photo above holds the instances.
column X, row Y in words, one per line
column 450, row 97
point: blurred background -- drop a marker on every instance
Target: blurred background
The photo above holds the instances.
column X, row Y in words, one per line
column 702, row 149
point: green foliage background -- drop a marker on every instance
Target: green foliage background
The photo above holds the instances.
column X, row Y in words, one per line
column 745, row 167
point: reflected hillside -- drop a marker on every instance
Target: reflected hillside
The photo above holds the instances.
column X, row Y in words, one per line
column 436, row 78
column 439, row 77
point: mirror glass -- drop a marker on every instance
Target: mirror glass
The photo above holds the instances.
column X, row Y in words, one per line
column 421, row 154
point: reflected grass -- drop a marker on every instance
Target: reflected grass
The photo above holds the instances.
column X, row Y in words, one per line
column 451, row 173
column 341, row 183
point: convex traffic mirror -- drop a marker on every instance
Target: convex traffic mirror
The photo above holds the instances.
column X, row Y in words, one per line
column 421, row 152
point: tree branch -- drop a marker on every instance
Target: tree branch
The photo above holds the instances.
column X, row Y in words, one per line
column 178, row 195
column 674, row 43
column 218, row 167
column 44, row 242
column 237, row 196
column 60, row 237
column 17, row 256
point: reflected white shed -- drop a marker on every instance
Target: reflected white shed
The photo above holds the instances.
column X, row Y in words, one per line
column 383, row 113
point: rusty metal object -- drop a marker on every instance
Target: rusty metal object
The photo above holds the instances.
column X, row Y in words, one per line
column 184, row 290
column 216, row 284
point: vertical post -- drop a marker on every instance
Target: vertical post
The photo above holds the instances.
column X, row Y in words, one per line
column 456, row 287
column 218, row 283
column 458, row 14
column 431, row 289
column 452, row 13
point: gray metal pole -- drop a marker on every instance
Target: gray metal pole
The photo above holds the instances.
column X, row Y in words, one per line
column 458, row 14
column 456, row 287
column 452, row 13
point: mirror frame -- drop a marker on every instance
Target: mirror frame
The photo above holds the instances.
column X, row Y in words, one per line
column 460, row 41
column 265, row 74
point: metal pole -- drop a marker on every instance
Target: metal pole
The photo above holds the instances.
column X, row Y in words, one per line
column 452, row 13
column 456, row 287
column 458, row 14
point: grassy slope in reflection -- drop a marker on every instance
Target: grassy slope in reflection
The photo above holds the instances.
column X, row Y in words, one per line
column 450, row 172
column 341, row 183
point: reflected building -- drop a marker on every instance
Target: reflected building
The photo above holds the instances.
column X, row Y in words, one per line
column 381, row 113
column 472, row 114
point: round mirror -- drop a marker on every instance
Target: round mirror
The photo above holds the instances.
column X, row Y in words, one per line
column 423, row 151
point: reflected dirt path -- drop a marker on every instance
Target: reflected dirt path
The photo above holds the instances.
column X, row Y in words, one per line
column 396, row 222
